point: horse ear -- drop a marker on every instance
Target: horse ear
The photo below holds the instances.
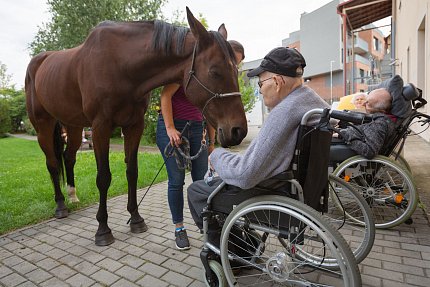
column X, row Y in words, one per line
column 198, row 30
column 223, row 31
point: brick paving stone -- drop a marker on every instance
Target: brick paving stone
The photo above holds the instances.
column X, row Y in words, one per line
column 27, row 284
column 109, row 264
column 381, row 273
column 63, row 272
column 195, row 273
column 154, row 270
column 154, row 257
column 43, row 248
column 135, row 250
column 149, row 281
column 70, row 260
column 47, row 263
column 402, row 252
column 13, row 279
column 80, row 280
column 4, row 270
column 24, row 267
column 124, row 283
column 176, row 265
column 130, row 273
column 389, row 283
column 56, row 253
column 105, row 277
column 417, row 280
column 34, row 257
column 86, row 268
column 176, row 279
column 92, row 257
column 12, row 261
column 54, row 282
column 132, row 261
column 113, row 253
column 371, row 280
column 38, row 276
column 403, row 268
column 417, row 262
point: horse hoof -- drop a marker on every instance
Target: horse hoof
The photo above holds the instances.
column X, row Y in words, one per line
column 61, row 213
column 138, row 227
column 104, row 239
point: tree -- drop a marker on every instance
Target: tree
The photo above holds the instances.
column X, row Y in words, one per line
column 4, row 77
column 247, row 91
column 72, row 20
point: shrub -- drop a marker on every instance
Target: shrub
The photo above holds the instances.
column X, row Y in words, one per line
column 5, row 121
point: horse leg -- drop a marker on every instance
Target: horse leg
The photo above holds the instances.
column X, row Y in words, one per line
column 51, row 143
column 101, row 134
column 132, row 136
column 74, row 139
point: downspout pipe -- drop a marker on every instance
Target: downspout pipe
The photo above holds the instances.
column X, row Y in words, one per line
column 343, row 15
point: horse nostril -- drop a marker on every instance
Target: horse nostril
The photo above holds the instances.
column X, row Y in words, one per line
column 238, row 134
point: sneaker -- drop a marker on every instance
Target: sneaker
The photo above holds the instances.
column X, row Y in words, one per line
column 181, row 240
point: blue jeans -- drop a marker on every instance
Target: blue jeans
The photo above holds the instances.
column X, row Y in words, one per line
column 176, row 176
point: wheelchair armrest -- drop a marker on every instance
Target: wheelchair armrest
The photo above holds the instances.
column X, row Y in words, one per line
column 340, row 152
column 215, row 192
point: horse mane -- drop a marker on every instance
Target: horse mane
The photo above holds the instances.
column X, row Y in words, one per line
column 163, row 37
column 225, row 46
column 164, row 34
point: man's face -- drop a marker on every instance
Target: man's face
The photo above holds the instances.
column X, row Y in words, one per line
column 266, row 82
column 373, row 98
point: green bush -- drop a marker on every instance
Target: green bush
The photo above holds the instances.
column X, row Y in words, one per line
column 28, row 127
column 5, row 121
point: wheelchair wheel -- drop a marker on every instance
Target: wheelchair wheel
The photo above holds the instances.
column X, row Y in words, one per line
column 349, row 212
column 216, row 268
column 400, row 159
column 294, row 241
column 386, row 186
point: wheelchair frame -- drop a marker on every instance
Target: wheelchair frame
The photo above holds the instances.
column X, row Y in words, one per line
column 308, row 245
column 386, row 183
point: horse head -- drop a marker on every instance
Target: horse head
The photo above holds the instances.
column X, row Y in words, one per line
column 212, row 85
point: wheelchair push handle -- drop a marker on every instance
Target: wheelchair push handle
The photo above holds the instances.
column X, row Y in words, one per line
column 353, row 117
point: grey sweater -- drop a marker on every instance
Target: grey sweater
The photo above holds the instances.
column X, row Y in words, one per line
column 272, row 150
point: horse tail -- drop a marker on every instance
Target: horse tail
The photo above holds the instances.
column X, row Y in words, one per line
column 58, row 150
column 30, row 89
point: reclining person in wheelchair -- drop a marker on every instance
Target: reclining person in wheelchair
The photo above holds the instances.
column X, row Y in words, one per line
column 367, row 139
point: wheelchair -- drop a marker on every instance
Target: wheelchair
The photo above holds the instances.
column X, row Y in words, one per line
column 278, row 235
column 385, row 181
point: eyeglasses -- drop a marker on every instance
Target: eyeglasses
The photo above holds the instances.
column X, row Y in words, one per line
column 260, row 83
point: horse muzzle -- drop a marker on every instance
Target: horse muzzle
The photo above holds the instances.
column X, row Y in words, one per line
column 231, row 136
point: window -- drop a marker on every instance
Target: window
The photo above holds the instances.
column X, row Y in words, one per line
column 362, row 76
column 376, row 45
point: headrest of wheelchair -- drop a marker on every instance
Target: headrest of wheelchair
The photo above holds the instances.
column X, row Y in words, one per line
column 410, row 92
column 401, row 106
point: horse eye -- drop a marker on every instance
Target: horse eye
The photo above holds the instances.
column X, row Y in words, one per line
column 214, row 74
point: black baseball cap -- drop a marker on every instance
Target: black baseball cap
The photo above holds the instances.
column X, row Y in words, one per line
column 283, row 61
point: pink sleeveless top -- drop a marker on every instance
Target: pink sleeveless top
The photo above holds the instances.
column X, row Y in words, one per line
column 183, row 109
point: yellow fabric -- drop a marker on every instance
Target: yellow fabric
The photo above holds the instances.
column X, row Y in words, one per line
column 345, row 103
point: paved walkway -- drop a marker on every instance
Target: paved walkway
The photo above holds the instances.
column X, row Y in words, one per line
column 62, row 252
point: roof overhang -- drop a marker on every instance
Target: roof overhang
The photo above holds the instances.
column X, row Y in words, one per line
column 363, row 12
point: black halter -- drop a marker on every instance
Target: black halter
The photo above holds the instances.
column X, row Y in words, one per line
column 191, row 74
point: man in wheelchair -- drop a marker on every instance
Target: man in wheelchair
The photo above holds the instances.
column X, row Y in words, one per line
column 367, row 139
column 269, row 154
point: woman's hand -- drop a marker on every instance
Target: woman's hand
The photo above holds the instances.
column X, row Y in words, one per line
column 174, row 136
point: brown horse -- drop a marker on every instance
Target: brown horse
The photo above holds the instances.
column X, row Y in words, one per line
column 104, row 83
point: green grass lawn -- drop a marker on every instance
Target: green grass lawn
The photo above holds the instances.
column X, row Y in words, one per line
column 26, row 192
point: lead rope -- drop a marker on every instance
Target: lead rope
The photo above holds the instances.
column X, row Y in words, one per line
column 169, row 154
